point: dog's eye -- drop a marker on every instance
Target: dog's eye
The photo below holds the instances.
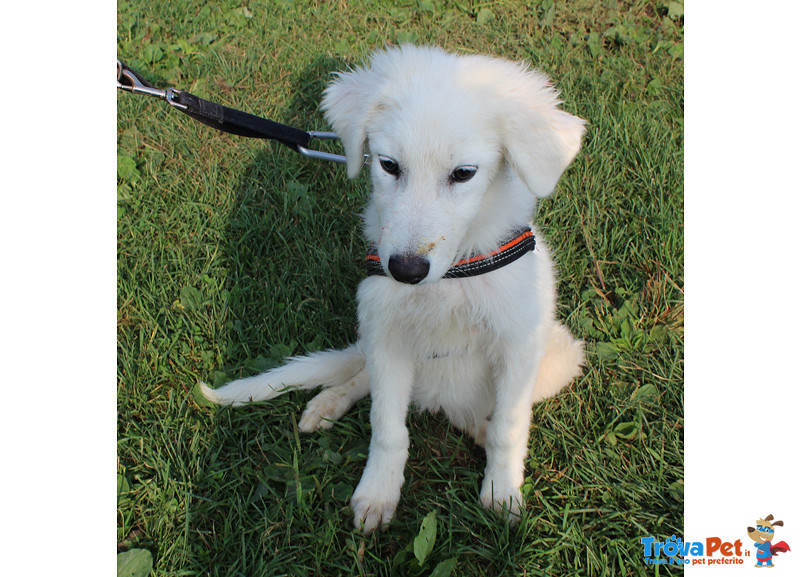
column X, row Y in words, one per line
column 389, row 166
column 463, row 173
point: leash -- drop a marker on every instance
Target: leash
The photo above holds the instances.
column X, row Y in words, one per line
column 520, row 242
column 228, row 119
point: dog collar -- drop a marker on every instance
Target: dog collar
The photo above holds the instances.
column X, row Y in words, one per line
column 520, row 241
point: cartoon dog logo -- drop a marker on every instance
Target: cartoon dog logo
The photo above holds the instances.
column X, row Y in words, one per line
column 763, row 535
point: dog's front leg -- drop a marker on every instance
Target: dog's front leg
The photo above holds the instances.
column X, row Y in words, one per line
column 391, row 377
column 508, row 430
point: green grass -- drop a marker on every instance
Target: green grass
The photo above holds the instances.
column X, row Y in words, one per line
column 234, row 253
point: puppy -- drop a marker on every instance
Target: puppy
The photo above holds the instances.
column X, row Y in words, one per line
column 458, row 311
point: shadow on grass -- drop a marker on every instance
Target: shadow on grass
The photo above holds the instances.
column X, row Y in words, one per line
column 293, row 250
column 293, row 245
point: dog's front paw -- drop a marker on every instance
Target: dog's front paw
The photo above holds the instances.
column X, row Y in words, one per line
column 373, row 504
column 504, row 498
column 375, row 499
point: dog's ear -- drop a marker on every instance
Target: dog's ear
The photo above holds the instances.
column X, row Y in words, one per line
column 540, row 139
column 347, row 104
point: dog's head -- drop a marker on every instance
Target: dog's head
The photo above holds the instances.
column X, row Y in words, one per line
column 453, row 141
column 764, row 531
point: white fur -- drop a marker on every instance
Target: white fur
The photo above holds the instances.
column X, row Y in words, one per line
column 481, row 349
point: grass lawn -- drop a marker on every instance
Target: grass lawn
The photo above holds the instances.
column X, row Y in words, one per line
column 233, row 253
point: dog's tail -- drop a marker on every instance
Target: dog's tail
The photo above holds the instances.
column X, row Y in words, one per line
column 327, row 369
column 562, row 362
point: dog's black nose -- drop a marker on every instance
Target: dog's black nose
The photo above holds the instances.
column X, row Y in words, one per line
column 409, row 268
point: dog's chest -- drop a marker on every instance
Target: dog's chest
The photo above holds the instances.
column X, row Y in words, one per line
column 453, row 368
column 441, row 321
column 432, row 321
column 444, row 328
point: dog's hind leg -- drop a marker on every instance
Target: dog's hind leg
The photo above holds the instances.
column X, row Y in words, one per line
column 326, row 369
column 333, row 402
column 561, row 363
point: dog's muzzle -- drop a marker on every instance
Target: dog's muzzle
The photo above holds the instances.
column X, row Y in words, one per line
column 409, row 268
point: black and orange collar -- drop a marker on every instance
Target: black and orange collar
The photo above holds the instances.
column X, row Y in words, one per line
column 519, row 242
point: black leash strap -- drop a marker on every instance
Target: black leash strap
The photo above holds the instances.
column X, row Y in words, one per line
column 228, row 119
column 239, row 123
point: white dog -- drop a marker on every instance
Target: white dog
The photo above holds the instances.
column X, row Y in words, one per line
column 458, row 313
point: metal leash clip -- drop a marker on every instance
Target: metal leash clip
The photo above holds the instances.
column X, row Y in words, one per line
column 127, row 80
column 318, row 154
